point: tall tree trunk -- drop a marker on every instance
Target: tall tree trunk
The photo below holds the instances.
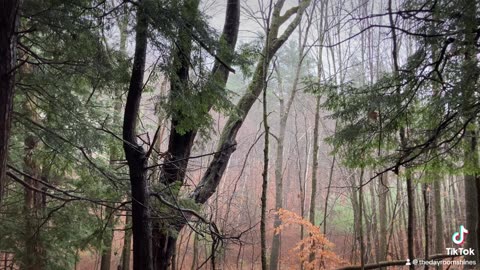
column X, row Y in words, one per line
column 263, row 237
column 302, row 174
column 437, row 200
column 471, row 196
column 284, row 112
column 382, row 207
column 426, row 215
column 266, row 142
column 313, row 193
column 400, row 228
column 418, row 233
column 356, row 225
column 470, row 74
column 325, row 207
column 195, row 251
column 448, row 208
column 437, row 179
column 374, row 222
column 458, row 206
column 368, row 233
column 127, row 238
column 360, row 220
column 327, row 196
column 135, row 154
column 410, row 217
column 127, row 244
column 106, row 257
column 180, row 143
column 403, row 145
column 33, row 204
column 391, row 210
column 9, row 21
column 109, row 212
column 356, row 205
column 275, row 251
column 316, row 128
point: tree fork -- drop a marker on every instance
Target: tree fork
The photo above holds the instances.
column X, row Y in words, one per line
column 180, row 145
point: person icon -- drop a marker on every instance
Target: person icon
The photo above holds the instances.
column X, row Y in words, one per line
column 408, row 262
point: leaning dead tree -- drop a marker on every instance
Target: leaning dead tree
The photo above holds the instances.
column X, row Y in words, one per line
column 158, row 254
column 226, row 145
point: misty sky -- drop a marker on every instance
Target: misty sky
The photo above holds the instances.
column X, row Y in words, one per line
column 215, row 9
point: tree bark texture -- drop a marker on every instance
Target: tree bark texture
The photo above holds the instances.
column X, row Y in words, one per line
column 470, row 74
column 135, row 154
column 226, row 145
column 9, row 21
column 313, row 194
column 180, row 144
